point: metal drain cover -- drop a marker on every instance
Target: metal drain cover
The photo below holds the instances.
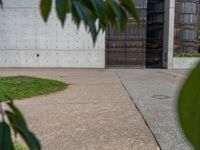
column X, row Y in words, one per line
column 161, row 97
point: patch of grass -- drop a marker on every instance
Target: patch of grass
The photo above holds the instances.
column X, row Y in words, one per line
column 20, row 87
column 186, row 54
column 20, row 146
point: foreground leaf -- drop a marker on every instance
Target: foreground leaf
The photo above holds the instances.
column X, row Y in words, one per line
column 130, row 7
column 45, row 8
column 189, row 107
column 61, row 9
column 86, row 15
column 99, row 7
column 19, row 125
column 20, row 128
column 5, row 137
column 18, row 114
column 96, row 15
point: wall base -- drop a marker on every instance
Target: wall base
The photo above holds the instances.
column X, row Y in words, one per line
column 184, row 62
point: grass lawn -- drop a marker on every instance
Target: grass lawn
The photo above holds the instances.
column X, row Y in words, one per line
column 20, row 146
column 20, row 87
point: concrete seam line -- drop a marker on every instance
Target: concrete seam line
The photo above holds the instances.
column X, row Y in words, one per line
column 139, row 111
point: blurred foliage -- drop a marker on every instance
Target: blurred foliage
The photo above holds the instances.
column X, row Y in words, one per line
column 96, row 15
column 186, row 54
column 189, row 107
column 18, row 124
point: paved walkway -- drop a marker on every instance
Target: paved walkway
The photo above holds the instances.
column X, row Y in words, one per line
column 154, row 92
column 94, row 113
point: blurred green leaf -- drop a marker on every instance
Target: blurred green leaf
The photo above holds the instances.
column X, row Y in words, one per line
column 29, row 138
column 17, row 112
column 61, row 9
column 21, row 129
column 18, row 124
column 95, row 14
column 5, row 137
column 45, row 8
column 130, row 7
column 121, row 18
column 110, row 14
column 99, row 7
column 189, row 107
column 85, row 15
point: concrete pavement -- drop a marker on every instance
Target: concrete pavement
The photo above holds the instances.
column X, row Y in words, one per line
column 154, row 92
column 94, row 113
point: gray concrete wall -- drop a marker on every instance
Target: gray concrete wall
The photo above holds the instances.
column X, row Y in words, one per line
column 168, row 34
column 185, row 62
column 26, row 41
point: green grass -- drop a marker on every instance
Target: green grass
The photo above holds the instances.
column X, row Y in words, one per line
column 20, row 87
column 20, row 146
column 186, row 54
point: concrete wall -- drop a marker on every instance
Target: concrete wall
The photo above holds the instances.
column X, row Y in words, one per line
column 26, row 41
column 168, row 45
column 184, row 62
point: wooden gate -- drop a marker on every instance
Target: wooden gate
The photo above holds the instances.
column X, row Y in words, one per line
column 128, row 49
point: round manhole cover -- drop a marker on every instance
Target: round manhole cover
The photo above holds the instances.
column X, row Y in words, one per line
column 160, row 96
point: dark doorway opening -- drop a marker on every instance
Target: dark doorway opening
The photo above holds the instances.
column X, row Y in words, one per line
column 155, row 27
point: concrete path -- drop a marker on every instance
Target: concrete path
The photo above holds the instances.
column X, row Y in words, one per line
column 154, row 92
column 94, row 113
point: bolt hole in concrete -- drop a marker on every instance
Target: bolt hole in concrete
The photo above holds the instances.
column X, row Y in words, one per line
column 38, row 55
column 161, row 97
